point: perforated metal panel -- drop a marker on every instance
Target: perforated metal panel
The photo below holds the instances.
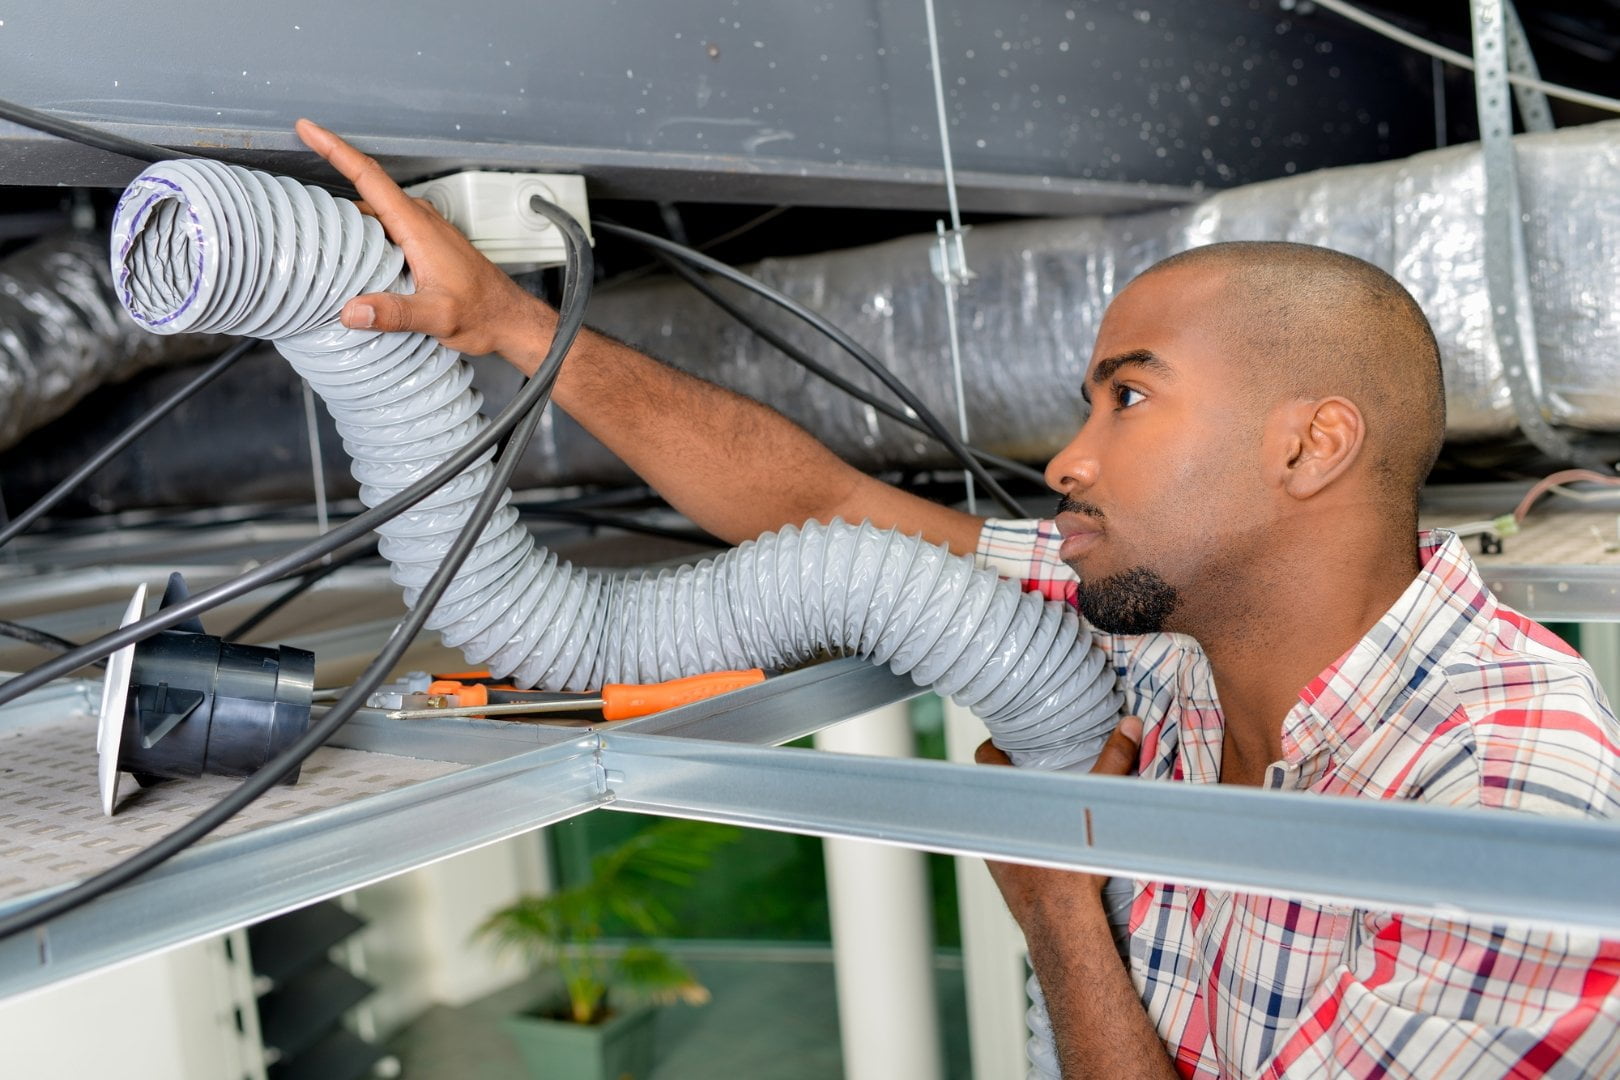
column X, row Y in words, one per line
column 52, row 831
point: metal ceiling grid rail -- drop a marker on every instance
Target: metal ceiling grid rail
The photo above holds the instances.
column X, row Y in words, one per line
column 690, row 763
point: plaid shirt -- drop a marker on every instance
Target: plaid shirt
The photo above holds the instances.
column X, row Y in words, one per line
column 1450, row 699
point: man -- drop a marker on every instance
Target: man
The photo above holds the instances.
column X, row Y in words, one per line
column 1238, row 515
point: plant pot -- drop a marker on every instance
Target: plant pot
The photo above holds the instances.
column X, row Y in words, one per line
column 618, row 1048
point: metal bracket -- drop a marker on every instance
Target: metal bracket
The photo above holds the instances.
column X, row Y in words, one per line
column 948, row 257
column 689, row 763
column 1507, row 278
column 248, row 877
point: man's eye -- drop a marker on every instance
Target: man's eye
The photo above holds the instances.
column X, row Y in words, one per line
column 1127, row 396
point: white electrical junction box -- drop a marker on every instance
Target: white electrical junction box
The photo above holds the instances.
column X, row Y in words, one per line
column 492, row 210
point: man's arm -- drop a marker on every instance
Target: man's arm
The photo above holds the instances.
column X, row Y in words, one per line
column 734, row 466
column 1101, row 1029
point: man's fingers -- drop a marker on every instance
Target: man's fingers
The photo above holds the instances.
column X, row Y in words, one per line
column 1119, row 754
column 989, row 753
column 385, row 311
column 376, row 187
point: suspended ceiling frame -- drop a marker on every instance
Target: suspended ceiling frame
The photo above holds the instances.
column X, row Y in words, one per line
column 709, row 761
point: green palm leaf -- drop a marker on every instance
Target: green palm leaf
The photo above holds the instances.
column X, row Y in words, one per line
column 629, row 882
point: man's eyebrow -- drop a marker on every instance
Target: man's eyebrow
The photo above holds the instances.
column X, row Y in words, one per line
column 1142, row 358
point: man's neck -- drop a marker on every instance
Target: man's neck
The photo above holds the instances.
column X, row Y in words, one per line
column 1313, row 603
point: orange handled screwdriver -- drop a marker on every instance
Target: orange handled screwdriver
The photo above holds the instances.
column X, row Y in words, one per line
column 622, row 701
column 618, row 701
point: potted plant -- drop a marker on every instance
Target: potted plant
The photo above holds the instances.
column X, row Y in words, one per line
column 604, row 1028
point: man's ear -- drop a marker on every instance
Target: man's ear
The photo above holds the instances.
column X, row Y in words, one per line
column 1313, row 443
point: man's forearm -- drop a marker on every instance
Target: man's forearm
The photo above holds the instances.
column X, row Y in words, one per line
column 734, row 466
column 1102, row 1031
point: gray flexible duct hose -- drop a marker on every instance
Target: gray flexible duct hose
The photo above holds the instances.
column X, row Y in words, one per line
column 200, row 245
column 204, row 246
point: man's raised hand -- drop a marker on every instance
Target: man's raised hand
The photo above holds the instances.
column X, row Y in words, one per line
column 461, row 298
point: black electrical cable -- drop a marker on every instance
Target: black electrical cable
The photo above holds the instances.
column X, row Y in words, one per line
column 840, row 338
column 821, row 371
column 533, row 396
column 642, row 271
column 43, row 638
column 43, row 505
column 307, row 581
column 87, row 135
column 94, row 137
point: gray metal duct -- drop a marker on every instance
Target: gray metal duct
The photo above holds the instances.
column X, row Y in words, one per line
column 1055, row 108
column 1029, row 319
column 63, row 333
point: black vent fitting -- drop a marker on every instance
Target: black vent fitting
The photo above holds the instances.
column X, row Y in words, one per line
column 199, row 704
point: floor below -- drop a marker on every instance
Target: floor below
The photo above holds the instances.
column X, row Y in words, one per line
column 774, row 1016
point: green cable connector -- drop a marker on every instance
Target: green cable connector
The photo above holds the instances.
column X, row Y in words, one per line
column 1504, row 525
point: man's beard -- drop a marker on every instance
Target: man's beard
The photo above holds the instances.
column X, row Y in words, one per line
column 1134, row 601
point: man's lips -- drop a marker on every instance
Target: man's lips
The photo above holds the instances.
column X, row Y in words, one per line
column 1080, row 534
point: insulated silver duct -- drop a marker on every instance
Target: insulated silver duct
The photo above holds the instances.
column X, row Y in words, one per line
column 63, row 333
column 1028, row 321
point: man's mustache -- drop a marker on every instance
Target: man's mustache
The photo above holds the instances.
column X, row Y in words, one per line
column 1067, row 505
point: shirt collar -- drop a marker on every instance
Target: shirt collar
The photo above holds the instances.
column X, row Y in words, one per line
column 1359, row 692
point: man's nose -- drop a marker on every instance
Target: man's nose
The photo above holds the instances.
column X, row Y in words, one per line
column 1075, row 466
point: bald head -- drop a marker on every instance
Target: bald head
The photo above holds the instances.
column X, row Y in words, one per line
column 1307, row 323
